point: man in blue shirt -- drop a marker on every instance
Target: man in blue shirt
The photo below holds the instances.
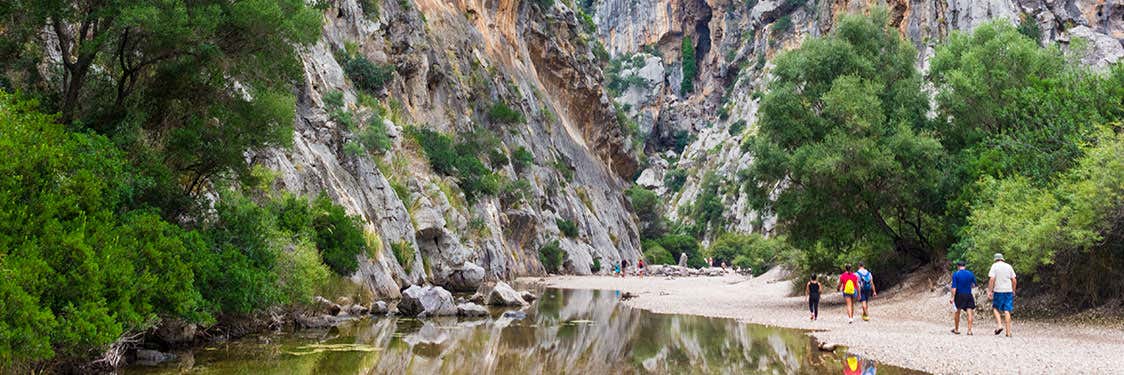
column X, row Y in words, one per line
column 962, row 282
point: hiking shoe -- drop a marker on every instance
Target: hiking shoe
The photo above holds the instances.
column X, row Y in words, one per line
column 866, row 318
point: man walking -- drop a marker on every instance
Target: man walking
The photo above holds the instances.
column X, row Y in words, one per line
column 962, row 282
column 867, row 290
column 1001, row 289
column 849, row 285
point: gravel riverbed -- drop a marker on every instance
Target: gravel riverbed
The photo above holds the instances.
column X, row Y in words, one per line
column 909, row 327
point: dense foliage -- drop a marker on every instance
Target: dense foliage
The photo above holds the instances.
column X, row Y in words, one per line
column 104, row 228
column 460, row 160
column 567, row 227
column 504, row 114
column 854, row 169
column 748, row 251
column 690, row 66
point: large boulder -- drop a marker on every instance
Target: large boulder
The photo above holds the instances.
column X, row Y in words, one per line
column 470, row 309
column 465, row 278
column 503, row 295
column 326, row 306
column 427, row 301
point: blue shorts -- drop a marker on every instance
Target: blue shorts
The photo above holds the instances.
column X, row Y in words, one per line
column 864, row 294
column 1003, row 301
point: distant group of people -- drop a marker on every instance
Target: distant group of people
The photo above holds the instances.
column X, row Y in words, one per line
column 858, row 287
column 621, row 268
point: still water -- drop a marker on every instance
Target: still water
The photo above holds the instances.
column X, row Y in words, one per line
column 565, row 332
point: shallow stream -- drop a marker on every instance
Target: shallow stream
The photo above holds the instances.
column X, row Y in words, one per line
column 565, row 331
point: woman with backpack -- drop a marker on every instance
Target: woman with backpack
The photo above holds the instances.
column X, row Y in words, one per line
column 849, row 285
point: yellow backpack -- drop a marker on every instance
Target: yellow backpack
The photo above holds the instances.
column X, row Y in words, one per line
column 849, row 287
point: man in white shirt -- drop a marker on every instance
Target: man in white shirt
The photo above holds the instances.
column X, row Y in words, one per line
column 1001, row 289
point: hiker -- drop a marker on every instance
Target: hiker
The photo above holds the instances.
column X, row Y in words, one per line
column 682, row 259
column 962, row 282
column 640, row 267
column 616, row 268
column 849, row 285
column 1001, row 287
column 867, row 289
column 812, row 291
column 624, row 267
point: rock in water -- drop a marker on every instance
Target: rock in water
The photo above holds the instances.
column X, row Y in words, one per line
column 327, row 307
column 515, row 314
column 153, row 357
column 427, row 301
column 503, row 295
column 357, row 310
column 528, row 296
column 379, row 308
column 471, row 310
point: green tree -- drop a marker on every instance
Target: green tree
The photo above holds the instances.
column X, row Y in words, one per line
column 678, row 244
column 186, row 87
column 75, row 273
column 551, row 257
column 753, row 251
column 844, row 138
column 649, row 209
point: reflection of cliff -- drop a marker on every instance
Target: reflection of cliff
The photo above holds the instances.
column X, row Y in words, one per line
column 584, row 332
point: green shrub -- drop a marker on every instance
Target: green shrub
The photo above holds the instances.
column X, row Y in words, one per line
column 680, row 140
column 514, row 193
column 374, row 137
column 551, row 256
column 737, row 128
column 1028, row 26
column 521, row 158
column 782, row 24
column 502, row 113
column 366, row 75
column 333, row 100
column 564, row 168
column 674, row 179
column 353, row 149
column 339, row 236
column 458, row 160
column 567, row 227
column 707, row 209
column 404, row 254
column 690, row 66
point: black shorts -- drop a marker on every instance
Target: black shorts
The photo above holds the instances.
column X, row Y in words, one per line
column 964, row 301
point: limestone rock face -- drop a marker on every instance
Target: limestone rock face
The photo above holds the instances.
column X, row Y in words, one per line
column 451, row 62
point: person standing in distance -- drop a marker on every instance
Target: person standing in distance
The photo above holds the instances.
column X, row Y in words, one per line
column 962, row 282
column 1001, row 289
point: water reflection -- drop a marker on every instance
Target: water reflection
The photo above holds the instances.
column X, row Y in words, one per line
column 566, row 331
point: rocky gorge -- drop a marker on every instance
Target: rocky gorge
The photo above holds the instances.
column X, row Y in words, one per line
column 452, row 60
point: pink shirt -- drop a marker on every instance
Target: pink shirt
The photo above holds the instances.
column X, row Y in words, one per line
column 849, row 276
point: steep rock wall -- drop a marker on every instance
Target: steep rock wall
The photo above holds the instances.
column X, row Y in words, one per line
column 453, row 60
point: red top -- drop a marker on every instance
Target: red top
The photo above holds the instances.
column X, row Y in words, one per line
column 848, row 276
